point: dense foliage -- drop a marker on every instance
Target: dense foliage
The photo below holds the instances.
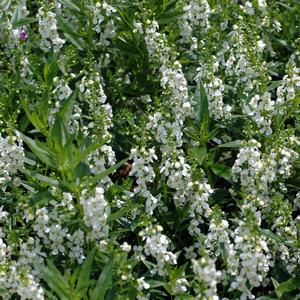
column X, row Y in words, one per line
column 149, row 149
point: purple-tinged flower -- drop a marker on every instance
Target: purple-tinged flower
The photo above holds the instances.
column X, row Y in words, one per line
column 23, row 35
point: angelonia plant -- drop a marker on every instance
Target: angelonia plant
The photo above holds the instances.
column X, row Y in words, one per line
column 149, row 149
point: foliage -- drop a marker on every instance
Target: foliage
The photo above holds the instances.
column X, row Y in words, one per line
column 149, row 149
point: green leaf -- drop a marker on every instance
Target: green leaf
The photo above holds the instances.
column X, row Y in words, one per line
column 149, row 265
column 23, row 21
column 212, row 134
column 104, row 281
column 94, row 180
column 65, row 111
column 289, row 285
column 168, row 4
column 78, row 223
column 39, row 197
column 17, row 14
column 199, row 154
column 33, row 117
column 50, row 70
column 265, row 298
column 155, row 283
column 233, row 144
column 82, row 170
column 43, row 108
column 50, row 295
column 274, row 85
column 77, row 42
column 276, row 284
column 4, row 5
column 40, row 150
column 121, row 212
column 85, row 272
column 82, row 155
column 29, row 161
column 56, row 281
column 268, row 233
column 59, row 133
column 73, row 277
column 2, row 20
column 69, row 33
column 66, row 27
column 43, row 178
column 290, row 110
column 222, row 170
column 168, row 288
column 224, row 253
column 29, row 185
column 202, row 113
column 124, row 44
column 170, row 16
column 113, row 294
column 70, row 4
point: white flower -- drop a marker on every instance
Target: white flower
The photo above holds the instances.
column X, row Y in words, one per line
column 156, row 245
column 65, row 92
column 96, row 212
column 48, row 30
column 142, row 284
column 12, row 157
column 206, row 273
column 126, row 247
column 181, row 285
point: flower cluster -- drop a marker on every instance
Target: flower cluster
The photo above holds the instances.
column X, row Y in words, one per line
column 248, row 260
column 208, row 277
column 144, row 173
column 156, row 245
column 101, row 11
column 96, row 212
column 48, row 31
column 11, row 157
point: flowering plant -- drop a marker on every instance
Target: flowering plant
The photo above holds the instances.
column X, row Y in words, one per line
column 149, row 149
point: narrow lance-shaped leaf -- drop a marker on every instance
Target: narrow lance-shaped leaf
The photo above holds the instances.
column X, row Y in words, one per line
column 289, row 285
column 40, row 150
column 39, row 197
column 44, row 107
column 17, row 14
column 50, row 70
column 121, row 212
column 265, row 298
column 170, row 16
column 70, row 34
column 66, row 109
column 23, row 21
column 233, row 144
column 4, row 5
column 41, row 177
column 222, row 170
column 56, row 281
column 82, row 155
column 202, row 112
column 71, row 5
column 107, row 172
column 104, row 281
column 85, row 272
column 59, row 133
column 50, row 296
column 33, row 117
